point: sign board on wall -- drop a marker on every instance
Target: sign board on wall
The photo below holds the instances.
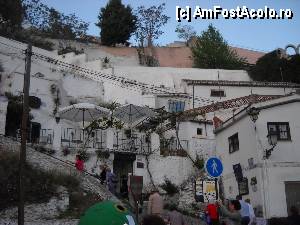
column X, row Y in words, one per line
column 243, row 186
column 206, row 190
column 209, row 190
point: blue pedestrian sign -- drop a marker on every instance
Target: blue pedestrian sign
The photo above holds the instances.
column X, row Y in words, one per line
column 214, row 167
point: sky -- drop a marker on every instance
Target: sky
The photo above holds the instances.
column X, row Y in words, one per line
column 261, row 34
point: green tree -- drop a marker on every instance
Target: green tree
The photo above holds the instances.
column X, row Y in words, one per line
column 211, row 51
column 117, row 23
column 57, row 28
column 11, row 15
column 150, row 23
column 36, row 13
column 52, row 23
column 185, row 32
column 271, row 67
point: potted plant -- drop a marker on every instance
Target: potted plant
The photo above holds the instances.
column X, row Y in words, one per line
column 84, row 155
column 199, row 162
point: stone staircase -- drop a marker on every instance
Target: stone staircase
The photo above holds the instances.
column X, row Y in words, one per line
column 49, row 163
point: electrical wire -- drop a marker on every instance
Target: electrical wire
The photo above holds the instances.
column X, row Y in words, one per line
column 99, row 76
column 120, row 81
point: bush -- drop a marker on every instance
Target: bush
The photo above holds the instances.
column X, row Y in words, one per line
column 68, row 50
column 79, row 202
column 272, row 68
column 39, row 186
column 62, row 179
column 27, row 37
column 169, row 187
column 199, row 163
column 84, row 155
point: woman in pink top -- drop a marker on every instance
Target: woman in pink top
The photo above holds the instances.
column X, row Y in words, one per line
column 79, row 163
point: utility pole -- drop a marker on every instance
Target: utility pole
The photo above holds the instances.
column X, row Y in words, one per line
column 282, row 79
column 24, row 134
column 193, row 96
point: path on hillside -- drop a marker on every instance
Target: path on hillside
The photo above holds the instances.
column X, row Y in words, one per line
column 48, row 163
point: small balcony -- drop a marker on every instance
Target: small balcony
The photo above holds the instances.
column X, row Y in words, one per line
column 131, row 142
column 171, row 147
column 76, row 138
column 122, row 141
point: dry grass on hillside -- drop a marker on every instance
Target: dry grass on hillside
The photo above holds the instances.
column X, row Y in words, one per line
column 40, row 186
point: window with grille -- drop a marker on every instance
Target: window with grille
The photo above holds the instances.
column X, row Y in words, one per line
column 233, row 143
column 176, row 106
column 199, row 131
column 217, row 93
column 281, row 129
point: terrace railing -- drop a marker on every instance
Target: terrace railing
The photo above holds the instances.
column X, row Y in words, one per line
column 46, row 136
column 137, row 143
column 77, row 138
column 134, row 142
column 171, row 147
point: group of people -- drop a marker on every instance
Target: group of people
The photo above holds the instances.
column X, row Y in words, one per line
column 106, row 175
column 156, row 209
column 230, row 212
column 109, row 178
column 240, row 212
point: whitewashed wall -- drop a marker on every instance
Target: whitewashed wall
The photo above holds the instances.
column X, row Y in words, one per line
column 177, row 168
column 283, row 165
column 71, row 87
column 235, row 92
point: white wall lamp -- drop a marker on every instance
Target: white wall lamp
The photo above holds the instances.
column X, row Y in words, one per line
column 253, row 184
column 272, row 136
column 57, row 118
column 253, row 113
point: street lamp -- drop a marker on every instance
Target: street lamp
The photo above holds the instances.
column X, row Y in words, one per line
column 57, row 118
column 253, row 113
column 272, row 139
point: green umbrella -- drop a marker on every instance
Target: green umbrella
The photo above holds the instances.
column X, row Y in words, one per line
column 107, row 213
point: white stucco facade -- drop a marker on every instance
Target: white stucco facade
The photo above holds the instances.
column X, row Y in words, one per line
column 272, row 174
column 73, row 86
